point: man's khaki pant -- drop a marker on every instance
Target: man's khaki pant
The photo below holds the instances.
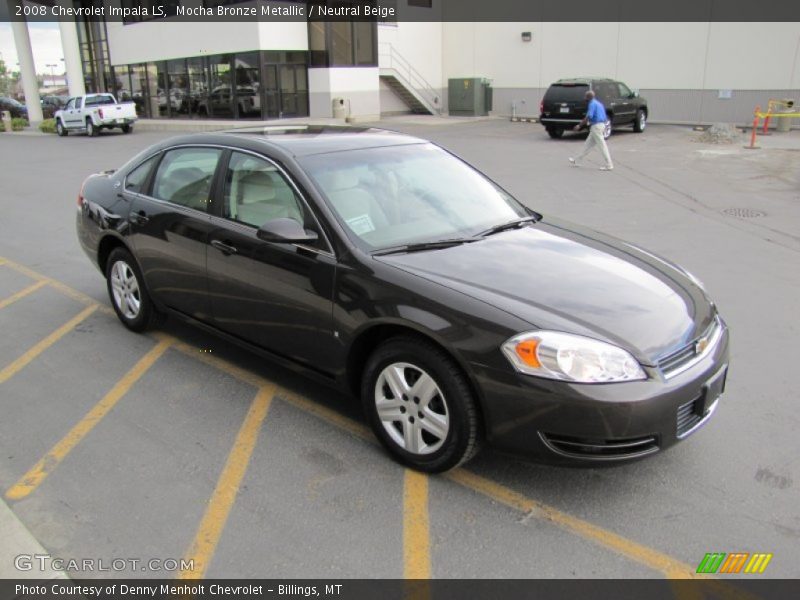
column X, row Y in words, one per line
column 596, row 139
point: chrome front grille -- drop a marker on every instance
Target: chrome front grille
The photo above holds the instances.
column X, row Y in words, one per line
column 682, row 359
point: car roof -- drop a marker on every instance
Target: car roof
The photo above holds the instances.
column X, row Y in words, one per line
column 305, row 140
column 582, row 80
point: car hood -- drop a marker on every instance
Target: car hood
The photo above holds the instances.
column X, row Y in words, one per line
column 566, row 278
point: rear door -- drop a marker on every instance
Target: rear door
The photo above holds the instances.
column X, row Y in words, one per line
column 627, row 101
column 170, row 226
column 607, row 93
column 276, row 296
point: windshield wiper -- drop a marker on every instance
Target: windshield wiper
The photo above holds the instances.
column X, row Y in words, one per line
column 418, row 247
column 510, row 225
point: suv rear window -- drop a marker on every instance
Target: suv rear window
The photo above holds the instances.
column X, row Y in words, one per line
column 571, row 92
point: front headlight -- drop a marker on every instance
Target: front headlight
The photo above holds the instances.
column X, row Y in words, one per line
column 569, row 357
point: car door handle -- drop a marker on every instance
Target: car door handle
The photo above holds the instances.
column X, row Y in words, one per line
column 139, row 218
column 223, row 247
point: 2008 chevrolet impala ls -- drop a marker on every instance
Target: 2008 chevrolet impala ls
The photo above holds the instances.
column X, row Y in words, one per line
column 385, row 264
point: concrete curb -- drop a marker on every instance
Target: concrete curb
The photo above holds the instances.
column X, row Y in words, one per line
column 17, row 540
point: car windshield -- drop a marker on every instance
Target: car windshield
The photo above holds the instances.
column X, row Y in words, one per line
column 13, row 102
column 398, row 195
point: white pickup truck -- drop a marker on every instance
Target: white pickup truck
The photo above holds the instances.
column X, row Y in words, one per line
column 94, row 112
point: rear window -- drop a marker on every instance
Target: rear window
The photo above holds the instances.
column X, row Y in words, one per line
column 99, row 100
column 566, row 92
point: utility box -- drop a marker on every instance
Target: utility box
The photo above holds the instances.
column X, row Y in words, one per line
column 784, row 124
column 469, row 97
column 339, row 108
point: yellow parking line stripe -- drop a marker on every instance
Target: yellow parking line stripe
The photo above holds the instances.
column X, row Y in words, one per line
column 2, row 261
column 671, row 568
column 416, row 533
column 39, row 472
column 636, row 552
column 642, row 554
column 22, row 293
column 57, row 285
column 208, row 534
column 12, row 369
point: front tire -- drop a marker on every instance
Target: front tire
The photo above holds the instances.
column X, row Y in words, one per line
column 641, row 121
column 60, row 129
column 128, row 294
column 420, row 405
column 91, row 130
column 555, row 132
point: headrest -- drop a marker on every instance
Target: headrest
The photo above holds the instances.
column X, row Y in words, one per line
column 256, row 187
column 337, row 181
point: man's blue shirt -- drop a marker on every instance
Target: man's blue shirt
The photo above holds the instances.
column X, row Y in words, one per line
column 596, row 113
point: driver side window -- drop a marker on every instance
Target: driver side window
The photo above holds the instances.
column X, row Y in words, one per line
column 184, row 177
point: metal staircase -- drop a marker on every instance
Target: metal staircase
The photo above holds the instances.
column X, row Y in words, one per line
column 406, row 82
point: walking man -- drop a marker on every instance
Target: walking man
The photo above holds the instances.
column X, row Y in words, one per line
column 596, row 119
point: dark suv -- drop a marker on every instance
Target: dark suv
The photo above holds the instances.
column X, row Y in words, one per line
column 564, row 105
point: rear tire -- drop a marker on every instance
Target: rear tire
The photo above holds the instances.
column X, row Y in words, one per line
column 609, row 129
column 128, row 293
column 60, row 129
column 555, row 132
column 91, row 130
column 420, row 405
column 641, row 121
column 127, row 128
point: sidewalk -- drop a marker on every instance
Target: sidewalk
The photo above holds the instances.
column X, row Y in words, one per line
column 16, row 541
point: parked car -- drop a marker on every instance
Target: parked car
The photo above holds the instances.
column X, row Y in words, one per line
column 94, row 112
column 385, row 265
column 564, row 105
column 16, row 108
column 52, row 104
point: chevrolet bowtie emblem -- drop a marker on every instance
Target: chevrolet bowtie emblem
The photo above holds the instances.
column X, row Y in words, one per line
column 701, row 345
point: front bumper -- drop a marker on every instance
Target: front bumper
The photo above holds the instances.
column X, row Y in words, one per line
column 591, row 424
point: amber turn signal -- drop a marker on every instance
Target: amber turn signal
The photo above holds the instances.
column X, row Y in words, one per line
column 526, row 350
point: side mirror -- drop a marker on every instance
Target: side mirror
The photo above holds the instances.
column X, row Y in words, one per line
column 635, row 94
column 286, row 231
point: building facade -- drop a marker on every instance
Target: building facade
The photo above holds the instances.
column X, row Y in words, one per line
column 690, row 72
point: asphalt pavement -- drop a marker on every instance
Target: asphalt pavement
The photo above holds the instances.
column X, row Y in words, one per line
column 176, row 446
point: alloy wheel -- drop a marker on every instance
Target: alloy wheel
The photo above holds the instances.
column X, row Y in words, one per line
column 125, row 289
column 411, row 408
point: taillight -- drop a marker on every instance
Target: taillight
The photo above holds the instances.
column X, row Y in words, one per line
column 541, row 106
column 100, row 112
column 80, row 195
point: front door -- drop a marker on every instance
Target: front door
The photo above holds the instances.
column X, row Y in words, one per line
column 276, row 296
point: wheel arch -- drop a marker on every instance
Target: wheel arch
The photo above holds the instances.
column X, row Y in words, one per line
column 106, row 246
column 369, row 338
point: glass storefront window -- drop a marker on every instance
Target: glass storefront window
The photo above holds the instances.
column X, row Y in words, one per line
column 248, row 85
column 139, row 90
column 198, row 83
column 177, row 88
column 219, row 103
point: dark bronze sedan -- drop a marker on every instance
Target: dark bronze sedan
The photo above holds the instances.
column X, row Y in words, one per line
column 384, row 264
